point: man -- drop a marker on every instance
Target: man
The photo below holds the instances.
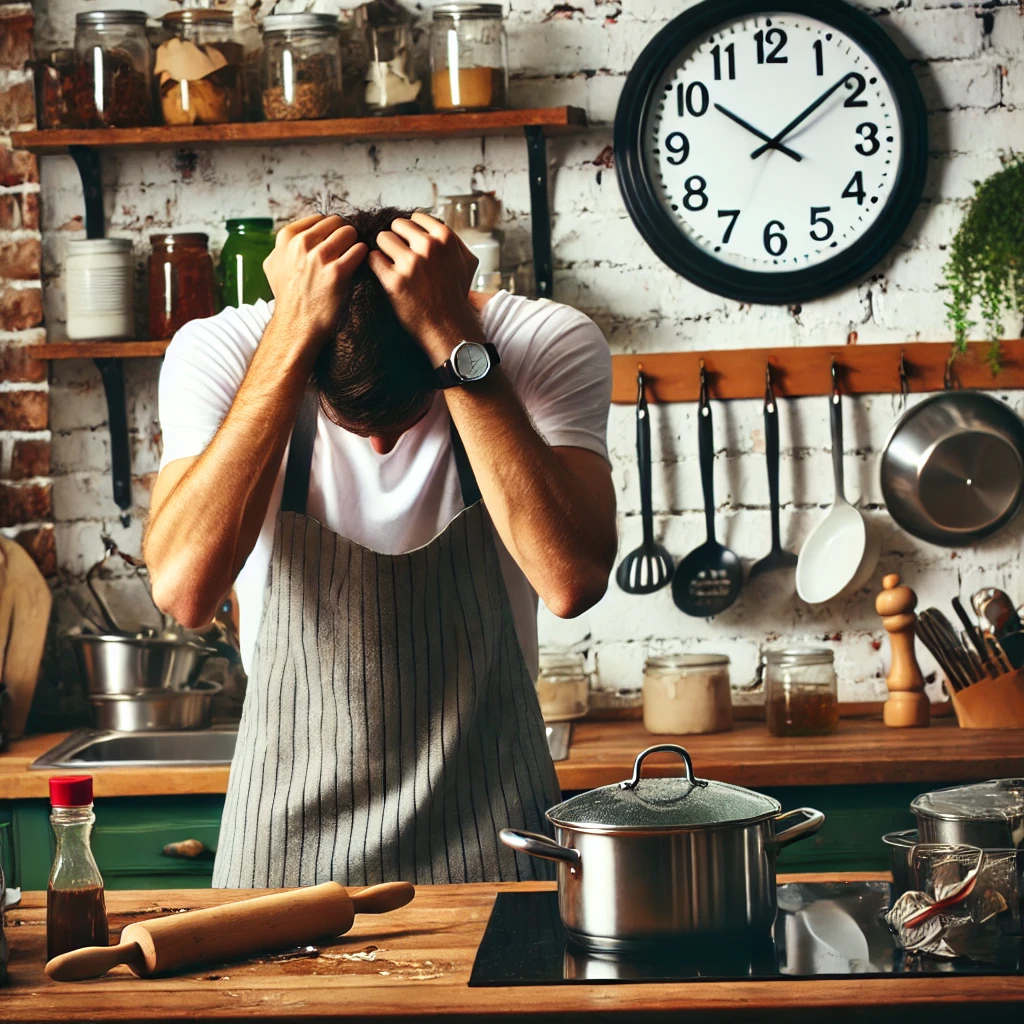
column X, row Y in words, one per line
column 331, row 452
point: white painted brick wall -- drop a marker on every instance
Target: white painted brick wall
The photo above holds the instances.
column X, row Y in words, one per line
column 968, row 58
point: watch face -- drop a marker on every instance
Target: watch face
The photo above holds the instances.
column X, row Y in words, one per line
column 471, row 361
column 773, row 153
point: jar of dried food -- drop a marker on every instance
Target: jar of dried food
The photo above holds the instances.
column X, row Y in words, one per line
column 112, row 83
column 801, row 694
column 57, row 90
column 469, row 57
column 99, row 276
column 687, row 694
column 392, row 83
column 181, row 283
column 240, row 276
column 562, row 686
column 200, row 68
column 301, row 67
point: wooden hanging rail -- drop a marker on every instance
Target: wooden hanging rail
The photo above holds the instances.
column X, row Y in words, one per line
column 800, row 372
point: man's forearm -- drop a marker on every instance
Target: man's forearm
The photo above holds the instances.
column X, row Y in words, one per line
column 560, row 532
column 202, row 532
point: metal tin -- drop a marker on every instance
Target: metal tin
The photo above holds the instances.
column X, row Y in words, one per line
column 671, row 859
column 300, row 21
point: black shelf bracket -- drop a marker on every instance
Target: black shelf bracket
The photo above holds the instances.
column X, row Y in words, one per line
column 540, row 210
column 90, row 169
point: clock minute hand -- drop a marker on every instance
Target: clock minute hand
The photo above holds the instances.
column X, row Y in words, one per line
column 772, row 143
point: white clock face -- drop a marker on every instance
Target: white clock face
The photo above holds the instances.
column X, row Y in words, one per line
column 774, row 142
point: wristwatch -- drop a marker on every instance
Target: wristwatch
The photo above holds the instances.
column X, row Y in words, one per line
column 469, row 362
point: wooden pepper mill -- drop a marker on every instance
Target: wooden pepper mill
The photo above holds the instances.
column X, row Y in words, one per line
column 907, row 705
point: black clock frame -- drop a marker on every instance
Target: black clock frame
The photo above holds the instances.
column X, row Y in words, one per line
column 660, row 230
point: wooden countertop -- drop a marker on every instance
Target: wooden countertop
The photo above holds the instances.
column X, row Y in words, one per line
column 416, row 965
column 861, row 751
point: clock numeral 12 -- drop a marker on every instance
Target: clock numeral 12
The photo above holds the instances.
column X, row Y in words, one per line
column 855, row 190
column 776, row 36
column 684, row 99
column 730, row 52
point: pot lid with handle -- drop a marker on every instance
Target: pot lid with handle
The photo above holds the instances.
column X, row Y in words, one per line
column 994, row 800
column 663, row 804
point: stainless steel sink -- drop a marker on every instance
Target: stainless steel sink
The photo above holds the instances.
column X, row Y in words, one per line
column 90, row 748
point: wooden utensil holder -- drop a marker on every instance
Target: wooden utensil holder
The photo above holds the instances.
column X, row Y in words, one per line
column 993, row 703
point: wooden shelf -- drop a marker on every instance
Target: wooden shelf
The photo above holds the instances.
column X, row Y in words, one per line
column 553, row 120
column 99, row 350
column 800, row 372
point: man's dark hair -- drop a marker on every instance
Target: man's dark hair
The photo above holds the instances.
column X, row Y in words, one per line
column 372, row 373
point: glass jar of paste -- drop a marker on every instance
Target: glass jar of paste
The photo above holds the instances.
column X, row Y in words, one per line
column 687, row 694
column 301, row 67
column 801, row 693
column 562, row 686
column 200, row 68
column 468, row 57
column 111, row 79
column 181, row 283
column 240, row 276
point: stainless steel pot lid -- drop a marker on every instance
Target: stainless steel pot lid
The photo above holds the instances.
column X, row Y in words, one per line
column 645, row 805
column 995, row 800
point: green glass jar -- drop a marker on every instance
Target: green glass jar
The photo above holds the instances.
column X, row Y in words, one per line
column 240, row 274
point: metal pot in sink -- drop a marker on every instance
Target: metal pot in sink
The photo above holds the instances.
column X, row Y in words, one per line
column 989, row 815
column 650, row 860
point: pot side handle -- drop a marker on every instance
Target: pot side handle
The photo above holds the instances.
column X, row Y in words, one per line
column 813, row 820
column 539, row 846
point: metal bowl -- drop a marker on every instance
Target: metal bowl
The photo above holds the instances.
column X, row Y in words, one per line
column 112, row 664
column 952, row 471
column 184, row 706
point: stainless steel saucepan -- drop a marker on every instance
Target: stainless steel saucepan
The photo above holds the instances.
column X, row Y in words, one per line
column 650, row 860
column 115, row 663
column 952, row 471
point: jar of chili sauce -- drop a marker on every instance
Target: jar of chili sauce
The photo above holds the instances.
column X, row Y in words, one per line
column 181, row 283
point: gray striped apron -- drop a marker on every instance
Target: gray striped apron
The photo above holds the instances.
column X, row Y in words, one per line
column 390, row 725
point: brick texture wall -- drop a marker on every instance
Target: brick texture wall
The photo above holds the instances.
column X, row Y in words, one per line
column 969, row 58
column 26, row 490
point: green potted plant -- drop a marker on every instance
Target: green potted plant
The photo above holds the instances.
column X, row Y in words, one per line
column 986, row 260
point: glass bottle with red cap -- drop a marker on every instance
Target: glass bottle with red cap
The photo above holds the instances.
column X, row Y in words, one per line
column 76, row 914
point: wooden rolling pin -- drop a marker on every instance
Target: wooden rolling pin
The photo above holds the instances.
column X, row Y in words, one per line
column 231, row 932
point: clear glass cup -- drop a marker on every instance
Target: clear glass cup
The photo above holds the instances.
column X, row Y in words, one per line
column 200, row 68
column 562, row 686
column 301, row 68
column 801, row 693
column 111, row 79
column 468, row 57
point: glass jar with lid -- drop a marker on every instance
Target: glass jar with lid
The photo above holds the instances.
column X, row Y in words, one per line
column 200, row 68
column 801, row 693
column 687, row 694
column 562, row 686
column 181, row 283
column 240, row 276
column 301, row 71
column 393, row 84
column 111, row 79
column 474, row 218
column 468, row 57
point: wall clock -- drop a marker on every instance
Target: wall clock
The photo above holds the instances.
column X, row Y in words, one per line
column 771, row 152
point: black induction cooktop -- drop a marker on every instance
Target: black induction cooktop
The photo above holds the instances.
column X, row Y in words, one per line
column 822, row 930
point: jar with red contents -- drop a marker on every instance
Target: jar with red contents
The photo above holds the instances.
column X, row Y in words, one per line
column 181, row 283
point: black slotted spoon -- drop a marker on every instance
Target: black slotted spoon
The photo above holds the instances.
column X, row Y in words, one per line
column 709, row 578
column 649, row 567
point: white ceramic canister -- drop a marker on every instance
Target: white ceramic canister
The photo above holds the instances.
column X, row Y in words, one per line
column 687, row 694
column 99, row 276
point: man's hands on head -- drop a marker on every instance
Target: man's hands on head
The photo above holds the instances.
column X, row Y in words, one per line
column 427, row 272
column 309, row 271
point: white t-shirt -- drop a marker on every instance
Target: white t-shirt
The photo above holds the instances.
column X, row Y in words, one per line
column 556, row 358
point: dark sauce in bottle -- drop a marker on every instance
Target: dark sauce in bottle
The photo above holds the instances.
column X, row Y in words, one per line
column 75, row 918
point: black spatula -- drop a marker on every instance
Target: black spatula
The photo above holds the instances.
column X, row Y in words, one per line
column 649, row 567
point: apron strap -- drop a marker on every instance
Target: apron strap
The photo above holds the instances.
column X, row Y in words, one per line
column 467, row 479
column 300, row 453
column 300, row 458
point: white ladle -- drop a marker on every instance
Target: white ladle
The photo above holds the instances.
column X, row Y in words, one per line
column 842, row 551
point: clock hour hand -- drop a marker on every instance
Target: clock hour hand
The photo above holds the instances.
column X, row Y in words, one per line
column 771, row 144
column 803, row 115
